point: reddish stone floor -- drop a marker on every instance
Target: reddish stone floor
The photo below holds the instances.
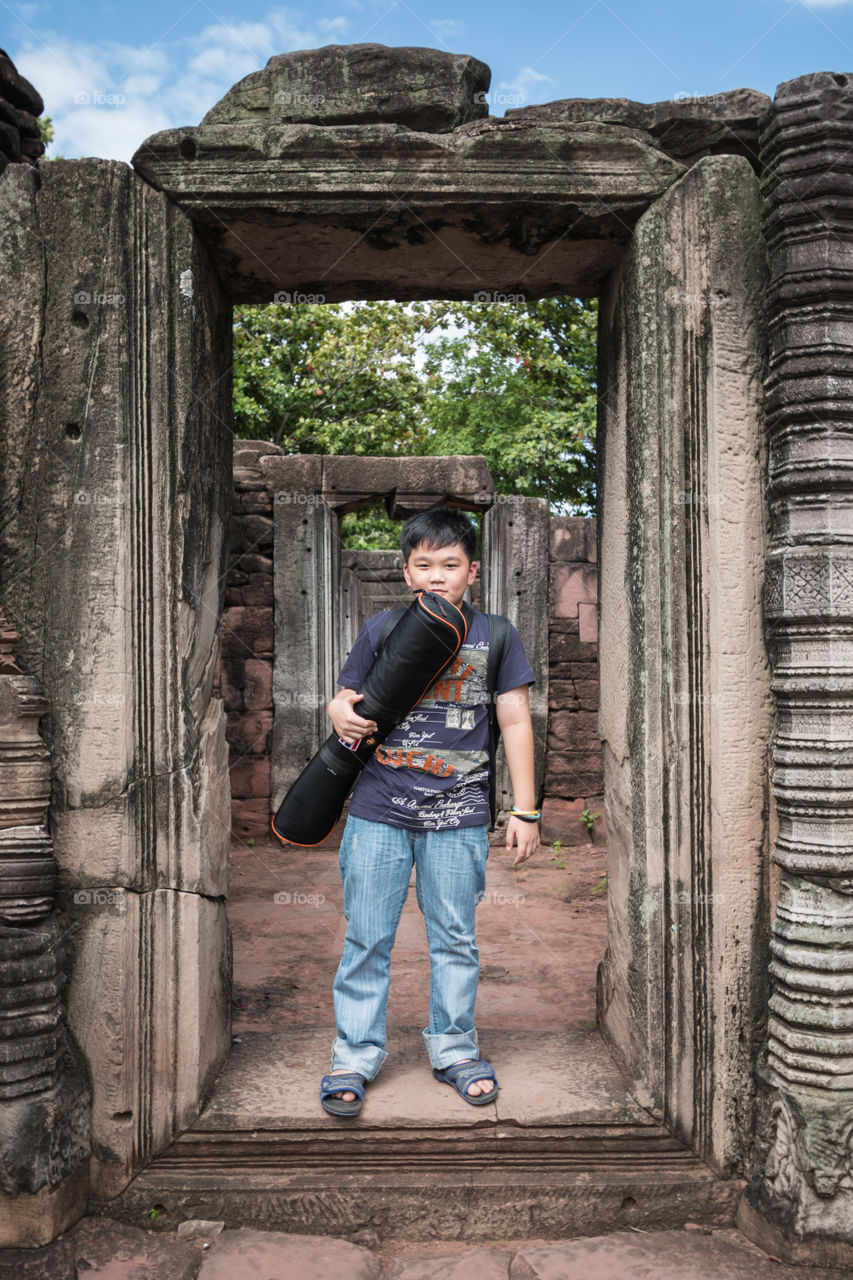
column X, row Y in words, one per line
column 541, row 932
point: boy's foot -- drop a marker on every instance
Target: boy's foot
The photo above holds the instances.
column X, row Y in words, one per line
column 475, row 1087
column 347, row 1095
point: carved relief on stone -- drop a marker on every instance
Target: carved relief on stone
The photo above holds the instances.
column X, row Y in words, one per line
column 807, row 1132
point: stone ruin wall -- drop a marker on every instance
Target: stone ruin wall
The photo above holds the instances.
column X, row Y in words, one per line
column 244, row 677
column 20, row 106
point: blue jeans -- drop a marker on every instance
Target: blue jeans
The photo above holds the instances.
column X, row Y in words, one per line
column 376, row 864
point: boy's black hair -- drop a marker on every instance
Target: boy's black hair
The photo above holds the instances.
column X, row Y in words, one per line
column 438, row 527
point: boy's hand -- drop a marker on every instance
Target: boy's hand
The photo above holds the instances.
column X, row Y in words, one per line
column 346, row 722
column 525, row 835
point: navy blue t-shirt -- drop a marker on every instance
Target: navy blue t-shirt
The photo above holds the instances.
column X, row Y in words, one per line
column 432, row 771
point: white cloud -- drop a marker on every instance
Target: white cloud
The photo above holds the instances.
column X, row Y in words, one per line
column 528, row 86
column 106, row 98
column 448, row 28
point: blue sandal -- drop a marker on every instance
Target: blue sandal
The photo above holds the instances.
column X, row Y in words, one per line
column 345, row 1081
column 461, row 1074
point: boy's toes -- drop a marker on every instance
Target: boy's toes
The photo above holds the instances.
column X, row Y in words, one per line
column 482, row 1086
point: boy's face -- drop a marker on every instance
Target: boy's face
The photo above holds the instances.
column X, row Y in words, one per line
column 445, row 570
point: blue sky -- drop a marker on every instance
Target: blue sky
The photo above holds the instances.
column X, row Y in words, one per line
column 112, row 75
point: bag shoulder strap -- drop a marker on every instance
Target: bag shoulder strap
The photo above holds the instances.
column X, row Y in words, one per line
column 388, row 625
column 499, row 634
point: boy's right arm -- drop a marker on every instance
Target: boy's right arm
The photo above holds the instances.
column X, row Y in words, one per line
column 346, row 721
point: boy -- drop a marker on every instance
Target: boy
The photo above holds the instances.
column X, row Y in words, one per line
column 423, row 797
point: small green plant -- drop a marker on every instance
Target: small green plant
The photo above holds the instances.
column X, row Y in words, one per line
column 589, row 819
column 250, row 841
column 591, row 1026
column 558, row 850
column 154, row 1214
column 601, row 887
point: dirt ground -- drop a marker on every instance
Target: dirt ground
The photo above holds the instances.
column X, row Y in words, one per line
column 541, row 932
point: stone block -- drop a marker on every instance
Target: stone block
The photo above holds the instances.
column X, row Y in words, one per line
column 247, row 1252
column 257, row 686
column 562, row 696
column 246, row 630
column 587, row 622
column 422, row 89
column 250, row 733
column 576, row 730
column 250, row 817
column 572, row 585
column 250, row 778
column 573, row 538
column 161, row 959
column 561, row 820
column 688, row 128
column 566, row 646
column 105, row 1247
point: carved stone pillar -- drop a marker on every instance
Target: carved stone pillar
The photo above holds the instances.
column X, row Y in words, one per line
column 685, row 709
column 44, row 1093
column 801, row 1204
column 115, row 481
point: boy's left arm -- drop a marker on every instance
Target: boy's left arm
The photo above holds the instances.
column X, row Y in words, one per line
column 513, row 709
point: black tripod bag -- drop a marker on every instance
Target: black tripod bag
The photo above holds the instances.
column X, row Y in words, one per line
column 411, row 658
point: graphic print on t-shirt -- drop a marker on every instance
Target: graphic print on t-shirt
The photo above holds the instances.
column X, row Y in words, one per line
column 432, row 771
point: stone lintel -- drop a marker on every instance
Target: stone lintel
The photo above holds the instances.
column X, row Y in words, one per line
column 307, row 212
column 406, row 485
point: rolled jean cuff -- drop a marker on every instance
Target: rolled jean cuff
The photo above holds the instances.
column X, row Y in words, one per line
column 444, row 1050
column 365, row 1059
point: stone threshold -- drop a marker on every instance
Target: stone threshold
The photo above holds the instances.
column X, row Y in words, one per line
column 567, row 1151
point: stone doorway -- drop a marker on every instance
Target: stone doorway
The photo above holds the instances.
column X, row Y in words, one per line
column 412, row 204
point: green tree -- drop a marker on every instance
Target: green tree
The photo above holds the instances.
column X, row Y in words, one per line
column 326, row 379
column 45, row 125
column 518, row 386
column 514, row 382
